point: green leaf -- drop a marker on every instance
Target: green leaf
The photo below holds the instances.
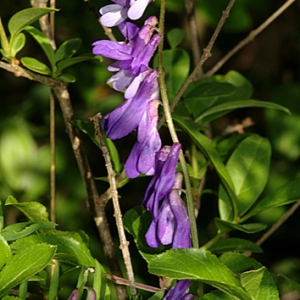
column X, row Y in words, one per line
column 248, row 167
column 45, row 44
column 209, row 114
column 1, row 216
column 68, row 78
column 204, row 144
column 67, row 49
column 18, row 44
column 20, row 230
column 234, row 244
column 260, row 284
column 217, row 295
column 226, row 226
column 97, row 281
column 4, row 250
column 288, row 193
column 114, row 155
column 25, row 17
column 157, row 296
column 197, row 264
column 11, row 298
column 35, row 65
column 239, row 263
column 175, row 37
column 295, row 284
column 72, row 61
column 27, row 262
column 176, row 63
column 6, row 51
column 71, row 246
column 54, row 283
column 34, row 211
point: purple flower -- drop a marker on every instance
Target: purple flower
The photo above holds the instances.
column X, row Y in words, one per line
column 172, row 224
column 161, row 184
column 179, row 291
column 142, row 155
column 132, row 57
column 126, row 118
column 114, row 14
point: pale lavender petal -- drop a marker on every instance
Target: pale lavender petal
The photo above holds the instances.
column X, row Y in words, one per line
column 179, row 291
column 113, row 14
column 111, row 49
column 121, row 80
column 133, row 86
column 137, row 8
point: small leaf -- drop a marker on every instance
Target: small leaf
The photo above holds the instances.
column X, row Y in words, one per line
column 18, row 44
column 234, row 244
column 45, row 44
column 4, row 250
column 157, row 296
column 114, row 155
column 260, row 284
column 288, row 193
column 25, row 17
column 197, row 264
column 225, row 226
column 97, row 281
column 24, row 264
column 68, row 78
column 1, row 216
column 67, row 49
column 74, row 60
column 6, row 51
column 34, row 211
column 71, row 246
column 175, row 37
column 20, row 230
column 35, row 65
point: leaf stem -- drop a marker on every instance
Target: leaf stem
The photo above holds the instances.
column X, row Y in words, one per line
column 165, row 101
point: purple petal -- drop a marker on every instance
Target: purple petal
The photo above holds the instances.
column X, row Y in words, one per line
column 121, row 80
column 113, row 14
column 128, row 30
column 179, row 291
column 165, row 224
column 111, row 49
column 137, row 8
column 151, row 237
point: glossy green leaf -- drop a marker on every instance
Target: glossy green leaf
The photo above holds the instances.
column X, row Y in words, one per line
column 175, row 37
column 25, row 17
column 35, row 65
column 260, row 284
column 197, row 264
column 176, row 63
column 206, row 116
column 20, row 230
column 211, row 153
column 18, row 44
column 71, row 246
column 6, row 51
column 294, row 283
column 4, row 250
column 27, row 262
column 68, row 78
column 34, row 211
column 234, row 244
column 226, row 226
column 67, row 49
column 238, row 263
column 288, row 193
column 248, row 167
column 45, row 44
column 74, row 60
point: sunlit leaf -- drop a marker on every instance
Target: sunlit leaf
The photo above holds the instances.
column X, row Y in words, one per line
column 27, row 262
column 197, row 264
column 74, row 60
column 18, row 44
column 35, row 65
column 4, row 250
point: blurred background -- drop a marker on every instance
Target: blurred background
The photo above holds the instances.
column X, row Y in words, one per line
column 271, row 62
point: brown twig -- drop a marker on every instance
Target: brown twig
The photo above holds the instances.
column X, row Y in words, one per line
column 206, row 54
column 249, row 38
column 117, row 210
column 97, row 209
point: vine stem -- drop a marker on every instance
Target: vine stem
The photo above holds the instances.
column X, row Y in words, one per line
column 165, row 101
column 117, row 210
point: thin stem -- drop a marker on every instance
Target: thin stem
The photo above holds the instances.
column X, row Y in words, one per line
column 53, row 165
column 205, row 55
column 117, row 210
column 213, row 240
column 165, row 101
column 249, row 38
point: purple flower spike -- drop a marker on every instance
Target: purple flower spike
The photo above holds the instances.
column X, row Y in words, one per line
column 161, row 184
column 126, row 118
column 172, row 224
column 179, row 291
column 142, row 155
column 114, row 14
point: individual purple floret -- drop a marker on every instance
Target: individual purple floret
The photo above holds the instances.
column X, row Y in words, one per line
column 127, row 117
column 172, row 224
column 180, row 291
column 161, row 184
column 132, row 57
column 114, row 14
column 142, row 155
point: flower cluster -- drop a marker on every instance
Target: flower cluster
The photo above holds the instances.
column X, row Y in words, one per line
column 170, row 222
